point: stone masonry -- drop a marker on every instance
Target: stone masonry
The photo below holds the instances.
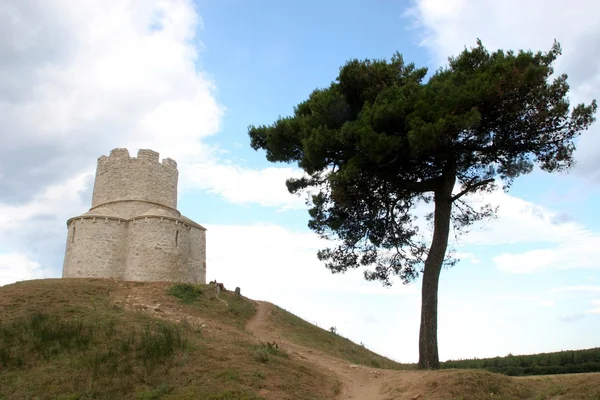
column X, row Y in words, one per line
column 133, row 231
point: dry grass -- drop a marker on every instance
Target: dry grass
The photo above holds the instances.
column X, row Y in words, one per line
column 103, row 339
column 479, row 385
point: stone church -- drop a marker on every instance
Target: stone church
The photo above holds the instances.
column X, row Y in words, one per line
column 133, row 231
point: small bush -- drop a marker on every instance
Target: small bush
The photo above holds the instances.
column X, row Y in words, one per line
column 265, row 350
column 261, row 355
column 185, row 292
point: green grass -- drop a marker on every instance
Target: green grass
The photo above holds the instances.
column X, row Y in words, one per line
column 154, row 394
column 86, row 341
column 264, row 351
column 227, row 308
column 159, row 344
column 185, row 292
column 304, row 333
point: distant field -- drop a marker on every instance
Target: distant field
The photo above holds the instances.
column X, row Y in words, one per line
column 562, row 362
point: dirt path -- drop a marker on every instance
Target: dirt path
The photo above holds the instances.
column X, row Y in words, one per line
column 357, row 382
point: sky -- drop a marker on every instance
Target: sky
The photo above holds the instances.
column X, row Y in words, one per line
column 186, row 79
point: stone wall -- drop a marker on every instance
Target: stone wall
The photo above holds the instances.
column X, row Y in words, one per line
column 197, row 255
column 157, row 250
column 142, row 249
column 120, row 177
column 95, row 248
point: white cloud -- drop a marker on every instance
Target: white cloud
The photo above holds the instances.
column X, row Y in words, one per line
column 266, row 257
column 576, row 289
column 547, row 303
column 521, row 221
column 467, row 256
column 63, row 200
column 516, row 297
column 582, row 254
column 449, row 25
column 16, row 267
column 553, row 239
column 242, row 185
column 572, row 317
column 80, row 78
column 596, row 309
column 525, row 300
column 36, row 230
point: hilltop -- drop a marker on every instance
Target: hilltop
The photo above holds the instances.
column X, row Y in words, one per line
column 107, row 339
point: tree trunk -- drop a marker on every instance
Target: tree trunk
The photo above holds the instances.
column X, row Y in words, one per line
column 428, row 346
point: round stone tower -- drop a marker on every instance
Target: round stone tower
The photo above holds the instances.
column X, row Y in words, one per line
column 133, row 230
column 132, row 186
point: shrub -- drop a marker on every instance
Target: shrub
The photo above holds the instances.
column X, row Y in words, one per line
column 265, row 350
column 261, row 355
column 185, row 292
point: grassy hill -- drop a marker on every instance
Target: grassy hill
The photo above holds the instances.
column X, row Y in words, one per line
column 103, row 339
column 306, row 334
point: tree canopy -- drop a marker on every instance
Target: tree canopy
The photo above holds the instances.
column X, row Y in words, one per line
column 382, row 138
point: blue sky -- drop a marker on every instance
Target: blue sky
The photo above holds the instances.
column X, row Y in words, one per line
column 187, row 79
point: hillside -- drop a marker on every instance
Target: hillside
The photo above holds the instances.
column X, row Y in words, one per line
column 105, row 339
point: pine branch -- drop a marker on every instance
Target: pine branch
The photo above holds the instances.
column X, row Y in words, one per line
column 471, row 187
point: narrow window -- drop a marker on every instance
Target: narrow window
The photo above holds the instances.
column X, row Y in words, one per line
column 176, row 237
column 73, row 235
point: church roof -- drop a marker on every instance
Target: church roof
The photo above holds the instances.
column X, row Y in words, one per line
column 192, row 223
column 103, row 213
column 156, row 212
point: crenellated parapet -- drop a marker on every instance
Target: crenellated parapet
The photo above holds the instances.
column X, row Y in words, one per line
column 143, row 155
column 120, row 156
column 120, row 177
